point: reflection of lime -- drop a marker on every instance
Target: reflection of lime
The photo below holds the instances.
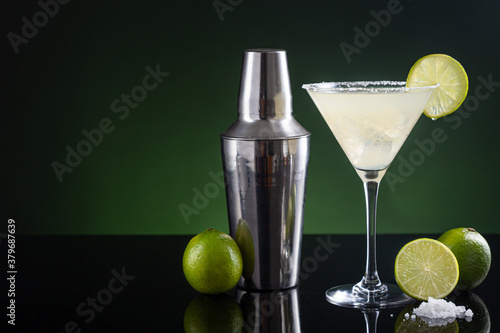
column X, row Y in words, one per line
column 418, row 325
column 473, row 255
column 480, row 321
column 426, row 268
column 449, row 74
column 212, row 262
column 244, row 239
column 213, row 313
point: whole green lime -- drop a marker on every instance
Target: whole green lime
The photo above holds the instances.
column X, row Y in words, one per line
column 212, row 262
column 473, row 255
column 213, row 313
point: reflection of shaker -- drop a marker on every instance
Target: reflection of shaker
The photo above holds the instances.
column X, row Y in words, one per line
column 265, row 154
column 276, row 311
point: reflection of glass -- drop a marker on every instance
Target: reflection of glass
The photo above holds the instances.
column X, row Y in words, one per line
column 371, row 318
column 371, row 121
column 276, row 311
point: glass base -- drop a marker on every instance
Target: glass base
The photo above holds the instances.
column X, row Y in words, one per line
column 355, row 296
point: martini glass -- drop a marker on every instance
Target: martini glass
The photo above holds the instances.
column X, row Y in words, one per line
column 371, row 121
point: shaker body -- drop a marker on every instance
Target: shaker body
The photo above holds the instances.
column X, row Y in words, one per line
column 265, row 191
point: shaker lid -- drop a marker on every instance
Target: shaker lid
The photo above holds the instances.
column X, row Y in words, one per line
column 265, row 98
column 264, row 84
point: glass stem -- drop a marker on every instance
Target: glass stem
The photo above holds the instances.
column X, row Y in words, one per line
column 371, row 280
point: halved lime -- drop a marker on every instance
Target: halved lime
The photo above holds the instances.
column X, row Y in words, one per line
column 426, row 268
column 452, row 79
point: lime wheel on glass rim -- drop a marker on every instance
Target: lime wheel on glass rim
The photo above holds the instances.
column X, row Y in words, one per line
column 448, row 74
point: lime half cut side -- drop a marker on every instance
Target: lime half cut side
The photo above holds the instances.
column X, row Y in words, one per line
column 426, row 268
column 448, row 74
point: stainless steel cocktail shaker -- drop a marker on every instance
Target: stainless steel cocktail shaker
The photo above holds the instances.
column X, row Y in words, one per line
column 265, row 154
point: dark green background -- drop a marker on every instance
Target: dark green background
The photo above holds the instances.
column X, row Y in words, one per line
column 65, row 78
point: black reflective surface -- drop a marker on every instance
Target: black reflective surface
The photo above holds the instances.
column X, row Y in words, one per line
column 136, row 284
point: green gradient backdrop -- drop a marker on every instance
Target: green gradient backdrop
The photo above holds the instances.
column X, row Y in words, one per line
column 65, row 78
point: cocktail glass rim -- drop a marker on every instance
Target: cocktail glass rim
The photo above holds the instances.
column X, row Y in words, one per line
column 369, row 87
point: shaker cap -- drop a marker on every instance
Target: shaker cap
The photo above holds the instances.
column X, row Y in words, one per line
column 265, row 98
column 265, row 84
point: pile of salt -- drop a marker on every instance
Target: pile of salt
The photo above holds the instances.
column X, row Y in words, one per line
column 438, row 312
